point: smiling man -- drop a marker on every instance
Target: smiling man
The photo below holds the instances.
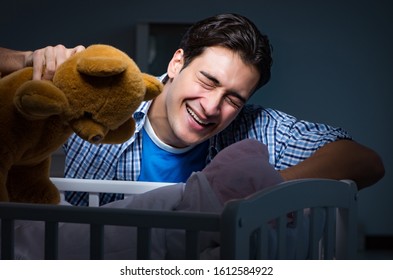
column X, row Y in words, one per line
column 201, row 99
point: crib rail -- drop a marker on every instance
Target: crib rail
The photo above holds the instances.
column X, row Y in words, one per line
column 95, row 187
column 97, row 218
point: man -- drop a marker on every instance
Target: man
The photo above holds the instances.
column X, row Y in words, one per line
column 220, row 63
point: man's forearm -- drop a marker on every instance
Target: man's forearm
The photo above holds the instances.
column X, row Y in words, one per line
column 343, row 159
column 11, row 60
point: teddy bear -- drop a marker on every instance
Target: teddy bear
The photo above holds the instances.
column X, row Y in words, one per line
column 93, row 94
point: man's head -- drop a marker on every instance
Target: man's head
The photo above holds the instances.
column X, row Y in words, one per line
column 220, row 63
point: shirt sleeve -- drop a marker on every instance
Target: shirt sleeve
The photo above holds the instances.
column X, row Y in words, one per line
column 297, row 140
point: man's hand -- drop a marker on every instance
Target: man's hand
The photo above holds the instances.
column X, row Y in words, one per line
column 46, row 60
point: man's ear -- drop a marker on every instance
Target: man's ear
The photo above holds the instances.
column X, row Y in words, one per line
column 176, row 63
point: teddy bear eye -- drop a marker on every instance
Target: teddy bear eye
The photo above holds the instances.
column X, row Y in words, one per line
column 88, row 115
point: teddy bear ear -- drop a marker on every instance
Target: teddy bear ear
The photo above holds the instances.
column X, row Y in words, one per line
column 153, row 86
column 100, row 66
column 39, row 99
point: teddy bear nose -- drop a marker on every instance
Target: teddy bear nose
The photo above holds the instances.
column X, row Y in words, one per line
column 96, row 138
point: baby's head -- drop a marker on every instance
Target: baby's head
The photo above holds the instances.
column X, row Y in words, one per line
column 240, row 170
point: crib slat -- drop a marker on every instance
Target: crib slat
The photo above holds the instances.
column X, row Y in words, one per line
column 330, row 233
column 143, row 243
column 51, row 240
column 282, row 236
column 263, row 237
column 192, row 245
column 96, row 242
column 346, row 232
column 300, row 244
column 94, row 199
column 7, row 239
column 314, row 240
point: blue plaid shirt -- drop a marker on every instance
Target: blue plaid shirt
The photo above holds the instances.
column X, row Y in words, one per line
column 288, row 139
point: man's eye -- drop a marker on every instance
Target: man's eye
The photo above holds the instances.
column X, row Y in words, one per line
column 207, row 85
column 234, row 102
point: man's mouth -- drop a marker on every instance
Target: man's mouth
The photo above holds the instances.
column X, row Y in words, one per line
column 196, row 118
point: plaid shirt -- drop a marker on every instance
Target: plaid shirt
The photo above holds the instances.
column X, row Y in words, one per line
column 289, row 142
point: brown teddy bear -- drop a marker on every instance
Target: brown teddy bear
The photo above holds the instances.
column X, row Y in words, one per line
column 94, row 94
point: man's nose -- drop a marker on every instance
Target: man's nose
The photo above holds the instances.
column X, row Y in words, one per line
column 211, row 104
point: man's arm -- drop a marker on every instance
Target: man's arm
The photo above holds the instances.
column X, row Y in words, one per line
column 11, row 60
column 44, row 61
column 342, row 159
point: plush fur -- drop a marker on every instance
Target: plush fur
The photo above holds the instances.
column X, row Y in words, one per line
column 94, row 94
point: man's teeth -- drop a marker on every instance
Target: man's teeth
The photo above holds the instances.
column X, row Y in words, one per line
column 198, row 120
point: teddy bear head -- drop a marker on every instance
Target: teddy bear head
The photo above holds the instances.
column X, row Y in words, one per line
column 103, row 87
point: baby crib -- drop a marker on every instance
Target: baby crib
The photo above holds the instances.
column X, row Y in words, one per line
column 243, row 226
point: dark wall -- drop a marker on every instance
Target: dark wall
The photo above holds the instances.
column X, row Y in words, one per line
column 332, row 60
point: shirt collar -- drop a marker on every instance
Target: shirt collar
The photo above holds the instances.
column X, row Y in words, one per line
column 140, row 114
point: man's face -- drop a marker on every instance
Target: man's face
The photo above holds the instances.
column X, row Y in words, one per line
column 203, row 98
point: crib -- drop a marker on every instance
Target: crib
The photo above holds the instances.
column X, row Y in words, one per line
column 242, row 226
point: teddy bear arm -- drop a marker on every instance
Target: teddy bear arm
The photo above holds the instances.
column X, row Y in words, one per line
column 7, row 159
column 40, row 99
column 153, row 86
column 3, row 189
column 30, row 183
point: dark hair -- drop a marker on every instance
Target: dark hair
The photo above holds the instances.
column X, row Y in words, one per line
column 234, row 32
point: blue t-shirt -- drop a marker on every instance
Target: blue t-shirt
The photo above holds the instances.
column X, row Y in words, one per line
column 162, row 163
